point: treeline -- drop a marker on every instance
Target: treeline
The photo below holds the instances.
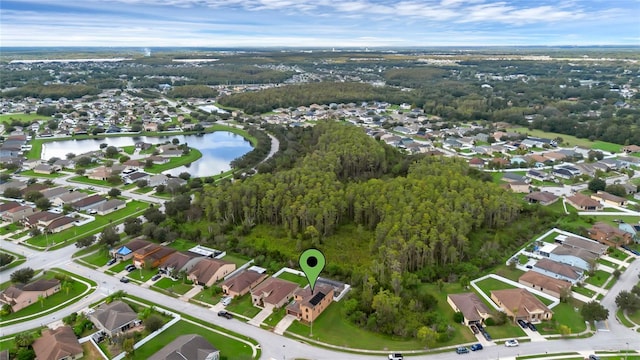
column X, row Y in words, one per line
column 54, row 92
column 307, row 94
column 257, row 154
column 192, row 91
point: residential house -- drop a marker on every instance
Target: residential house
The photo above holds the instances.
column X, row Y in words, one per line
column 273, row 292
column 125, row 252
column 630, row 188
column 541, row 197
column 555, row 156
column 558, row 270
column 64, row 164
column 609, row 199
column 132, row 178
column 68, row 198
column 548, row 285
column 520, row 304
column 52, row 193
column 187, row 347
column 60, row 224
column 180, row 261
column 241, row 283
column 209, row 271
column 630, row 149
column 100, row 173
column 58, row 344
column 611, row 164
column 109, row 206
column 19, row 296
column 158, row 159
column 114, row 318
column 634, row 230
column 569, row 255
column 476, row 163
column 513, row 177
column 151, row 256
column 584, row 203
column 538, row 175
column 584, row 244
column 155, row 180
column 609, row 235
column 46, row 169
column 88, row 202
column 563, row 173
column 13, row 184
column 307, row 305
column 474, row 310
column 40, row 218
column 17, row 213
column 8, row 206
column 37, row 187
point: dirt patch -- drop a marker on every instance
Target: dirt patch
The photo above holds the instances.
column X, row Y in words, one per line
column 91, row 352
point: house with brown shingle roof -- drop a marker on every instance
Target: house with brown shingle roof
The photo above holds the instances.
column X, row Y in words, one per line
column 609, row 235
column 241, row 283
column 88, row 202
column 61, row 224
column 541, row 197
column 58, row 344
column 585, row 244
column 113, row 318
column 472, row 308
column 180, row 261
column 520, row 304
column 273, row 292
column 151, row 256
column 41, row 218
column 546, row 284
column 8, row 206
column 54, row 192
column 68, row 198
column 307, row 305
column 100, row 173
column 20, row 296
column 126, row 251
column 610, row 199
column 18, row 213
column 109, row 206
column 187, row 347
column 209, row 271
column 583, row 202
column 630, row 149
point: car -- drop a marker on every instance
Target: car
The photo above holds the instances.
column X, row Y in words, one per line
column 156, row 277
column 486, row 335
column 395, row 356
column 225, row 314
column 124, row 280
column 474, row 329
column 93, row 212
column 111, row 262
column 226, row 300
column 532, row 327
column 130, row 268
column 462, row 350
column 522, row 323
column 511, row 343
column 594, row 357
column 529, row 266
column 476, row 347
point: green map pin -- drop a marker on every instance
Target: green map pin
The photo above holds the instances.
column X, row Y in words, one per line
column 312, row 262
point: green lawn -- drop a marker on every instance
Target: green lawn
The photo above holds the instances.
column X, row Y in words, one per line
column 571, row 141
column 99, row 258
column 206, row 297
column 34, row 174
column 565, row 314
column 584, row 291
column 143, row 190
column 489, row 284
column 119, row 266
column 177, row 287
column 17, row 259
column 276, row 316
column 607, row 263
column 230, row 349
column 182, row 245
column 623, row 319
column 10, row 228
column 300, row 280
column 85, row 180
column 635, row 317
column 598, row 278
column 129, row 149
column 239, row 260
column 76, row 288
column 506, row 331
column 243, row 306
column 19, row 235
column 132, row 208
column 7, row 118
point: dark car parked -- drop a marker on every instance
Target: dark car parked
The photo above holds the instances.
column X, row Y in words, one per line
column 225, row 314
column 522, row 323
column 476, row 347
column 462, row 350
column 124, row 280
column 111, row 262
column 532, row 327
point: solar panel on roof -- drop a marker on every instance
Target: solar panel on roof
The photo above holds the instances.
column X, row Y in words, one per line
column 315, row 300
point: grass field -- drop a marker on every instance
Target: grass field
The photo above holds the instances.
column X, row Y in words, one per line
column 243, row 306
column 565, row 314
column 583, row 291
column 206, row 297
column 182, row 245
column 48, row 176
column 177, row 287
column 175, row 162
column 571, row 141
column 276, row 316
column 99, row 258
column 230, row 349
column 85, row 180
column 7, row 118
column 300, row 280
column 598, row 278
column 239, row 260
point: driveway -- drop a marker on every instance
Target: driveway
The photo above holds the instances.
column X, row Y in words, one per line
column 262, row 315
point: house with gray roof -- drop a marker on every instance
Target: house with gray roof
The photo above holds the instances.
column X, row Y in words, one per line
column 187, row 347
column 114, row 318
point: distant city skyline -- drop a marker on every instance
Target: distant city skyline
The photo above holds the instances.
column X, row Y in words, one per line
column 318, row 23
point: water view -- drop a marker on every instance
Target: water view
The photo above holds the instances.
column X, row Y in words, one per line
column 218, row 149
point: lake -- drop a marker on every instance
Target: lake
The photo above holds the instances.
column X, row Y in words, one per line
column 218, row 149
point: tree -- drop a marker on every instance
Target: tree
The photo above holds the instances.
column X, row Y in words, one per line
column 41, row 300
column 43, row 204
column 109, row 236
column 84, row 161
column 428, row 336
column 564, row 330
column 184, row 176
column 11, row 192
column 133, row 226
column 70, row 156
column 111, row 151
column 597, row 184
column 25, row 354
column 616, row 189
column 114, row 192
column 127, row 346
column 5, row 259
column 124, row 159
column 32, row 196
column 85, row 241
column 52, row 160
column 22, row 276
column 175, row 141
column 153, row 323
column 148, row 164
column 153, row 215
column 142, row 183
column 594, row 311
column 114, row 179
column 81, row 171
column 628, row 301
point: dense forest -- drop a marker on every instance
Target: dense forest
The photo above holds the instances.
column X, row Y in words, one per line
column 422, row 218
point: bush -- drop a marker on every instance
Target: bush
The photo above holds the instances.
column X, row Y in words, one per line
column 458, row 317
column 490, row 322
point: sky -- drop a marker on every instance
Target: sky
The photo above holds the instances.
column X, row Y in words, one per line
column 318, row 23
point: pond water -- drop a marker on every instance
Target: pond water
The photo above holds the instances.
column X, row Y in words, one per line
column 218, row 149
